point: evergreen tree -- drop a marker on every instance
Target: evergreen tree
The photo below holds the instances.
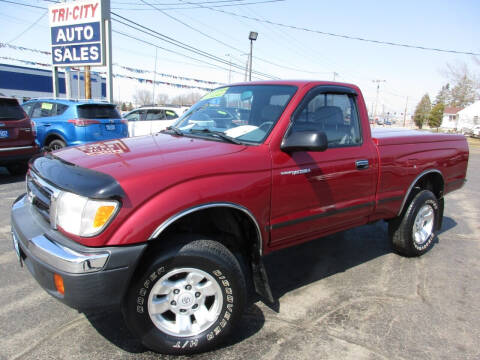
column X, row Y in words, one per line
column 444, row 96
column 463, row 93
column 422, row 111
column 435, row 116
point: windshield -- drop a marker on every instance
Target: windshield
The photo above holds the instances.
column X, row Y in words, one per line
column 244, row 113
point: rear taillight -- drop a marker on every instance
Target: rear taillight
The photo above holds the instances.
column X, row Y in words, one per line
column 83, row 122
column 124, row 121
column 34, row 128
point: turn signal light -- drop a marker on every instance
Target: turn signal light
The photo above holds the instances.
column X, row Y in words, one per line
column 103, row 215
column 59, row 283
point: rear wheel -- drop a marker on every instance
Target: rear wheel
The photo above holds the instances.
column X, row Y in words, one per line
column 56, row 144
column 412, row 234
column 188, row 299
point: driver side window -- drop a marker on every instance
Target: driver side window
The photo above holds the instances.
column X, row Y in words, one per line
column 334, row 114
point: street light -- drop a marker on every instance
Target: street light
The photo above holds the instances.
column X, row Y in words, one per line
column 252, row 37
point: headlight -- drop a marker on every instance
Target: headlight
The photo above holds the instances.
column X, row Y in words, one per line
column 82, row 216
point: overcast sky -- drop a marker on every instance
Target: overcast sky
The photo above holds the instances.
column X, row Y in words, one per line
column 450, row 25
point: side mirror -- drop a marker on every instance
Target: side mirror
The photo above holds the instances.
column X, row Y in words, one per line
column 305, row 141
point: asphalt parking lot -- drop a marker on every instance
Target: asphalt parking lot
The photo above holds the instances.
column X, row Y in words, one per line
column 346, row 296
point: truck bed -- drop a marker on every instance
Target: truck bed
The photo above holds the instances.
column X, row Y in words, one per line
column 397, row 136
column 405, row 155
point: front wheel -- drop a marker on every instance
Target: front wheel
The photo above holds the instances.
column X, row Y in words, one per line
column 413, row 233
column 187, row 300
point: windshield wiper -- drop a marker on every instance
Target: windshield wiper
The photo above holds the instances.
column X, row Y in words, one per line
column 172, row 129
column 218, row 134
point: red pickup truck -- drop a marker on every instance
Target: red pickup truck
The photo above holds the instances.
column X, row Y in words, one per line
column 173, row 227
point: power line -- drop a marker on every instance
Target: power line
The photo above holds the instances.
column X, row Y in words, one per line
column 217, row 40
column 191, row 7
column 29, row 27
column 180, row 44
column 350, row 37
column 166, row 4
column 28, row 5
column 171, row 51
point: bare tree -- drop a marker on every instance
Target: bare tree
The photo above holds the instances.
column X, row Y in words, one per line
column 162, row 99
column 143, row 97
column 465, row 85
column 187, row 98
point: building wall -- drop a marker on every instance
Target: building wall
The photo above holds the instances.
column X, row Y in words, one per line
column 470, row 116
column 25, row 83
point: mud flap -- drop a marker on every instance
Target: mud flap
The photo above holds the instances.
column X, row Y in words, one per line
column 260, row 280
column 441, row 207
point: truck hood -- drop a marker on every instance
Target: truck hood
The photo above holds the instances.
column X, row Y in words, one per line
column 144, row 155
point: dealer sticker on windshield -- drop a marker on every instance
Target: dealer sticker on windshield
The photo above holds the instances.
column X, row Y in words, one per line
column 216, row 93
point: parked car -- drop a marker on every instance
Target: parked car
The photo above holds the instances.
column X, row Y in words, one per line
column 62, row 122
column 476, row 131
column 173, row 228
column 17, row 136
column 150, row 120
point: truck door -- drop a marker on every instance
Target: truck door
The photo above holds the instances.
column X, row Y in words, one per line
column 316, row 193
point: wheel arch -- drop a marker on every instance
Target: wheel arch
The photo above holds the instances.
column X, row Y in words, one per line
column 53, row 135
column 247, row 235
column 164, row 226
column 431, row 179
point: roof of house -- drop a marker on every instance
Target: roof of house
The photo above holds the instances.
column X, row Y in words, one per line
column 452, row 110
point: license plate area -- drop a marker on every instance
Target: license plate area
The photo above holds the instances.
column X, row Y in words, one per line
column 3, row 134
column 110, row 127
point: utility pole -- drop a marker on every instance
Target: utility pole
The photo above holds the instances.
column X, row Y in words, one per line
column 376, row 99
column 68, row 85
column 88, row 86
column 154, row 76
column 229, row 68
column 335, row 74
column 405, row 113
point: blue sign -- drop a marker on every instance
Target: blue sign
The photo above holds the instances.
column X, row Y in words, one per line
column 77, row 33
column 88, row 54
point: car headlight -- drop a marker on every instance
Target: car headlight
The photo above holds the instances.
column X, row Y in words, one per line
column 80, row 215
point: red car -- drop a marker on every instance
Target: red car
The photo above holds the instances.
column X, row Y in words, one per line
column 173, row 226
column 17, row 136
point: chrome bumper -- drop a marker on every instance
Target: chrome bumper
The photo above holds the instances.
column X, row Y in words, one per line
column 63, row 258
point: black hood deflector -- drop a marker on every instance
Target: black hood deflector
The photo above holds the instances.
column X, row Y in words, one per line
column 82, row 181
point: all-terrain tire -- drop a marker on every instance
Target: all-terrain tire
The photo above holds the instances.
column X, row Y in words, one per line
column 187, row 299
column 413, row 232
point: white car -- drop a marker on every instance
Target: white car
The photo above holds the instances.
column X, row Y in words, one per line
column 150, row 120
column 476, row 130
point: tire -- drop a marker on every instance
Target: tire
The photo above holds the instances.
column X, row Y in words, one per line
column 153, row 312
column 413, row 233
column 17, row 169
column 56, row 144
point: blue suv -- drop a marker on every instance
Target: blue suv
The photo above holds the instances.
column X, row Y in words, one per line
column 61, row 122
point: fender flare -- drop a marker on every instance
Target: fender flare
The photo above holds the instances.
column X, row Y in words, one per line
column 164, row 225
column 410, row 188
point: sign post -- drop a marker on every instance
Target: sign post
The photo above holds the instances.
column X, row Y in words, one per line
column 79, row 31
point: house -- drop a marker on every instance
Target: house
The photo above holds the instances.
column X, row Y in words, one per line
column 469, row 117
column 450, row 118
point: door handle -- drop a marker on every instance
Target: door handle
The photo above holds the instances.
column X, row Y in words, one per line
column 361, row 164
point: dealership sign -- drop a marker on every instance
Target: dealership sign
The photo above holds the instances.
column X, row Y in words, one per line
column 77, row 32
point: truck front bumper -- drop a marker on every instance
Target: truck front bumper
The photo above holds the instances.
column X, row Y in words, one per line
column 92, row 277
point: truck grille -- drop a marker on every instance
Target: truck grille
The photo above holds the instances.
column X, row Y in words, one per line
column 40, row 194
